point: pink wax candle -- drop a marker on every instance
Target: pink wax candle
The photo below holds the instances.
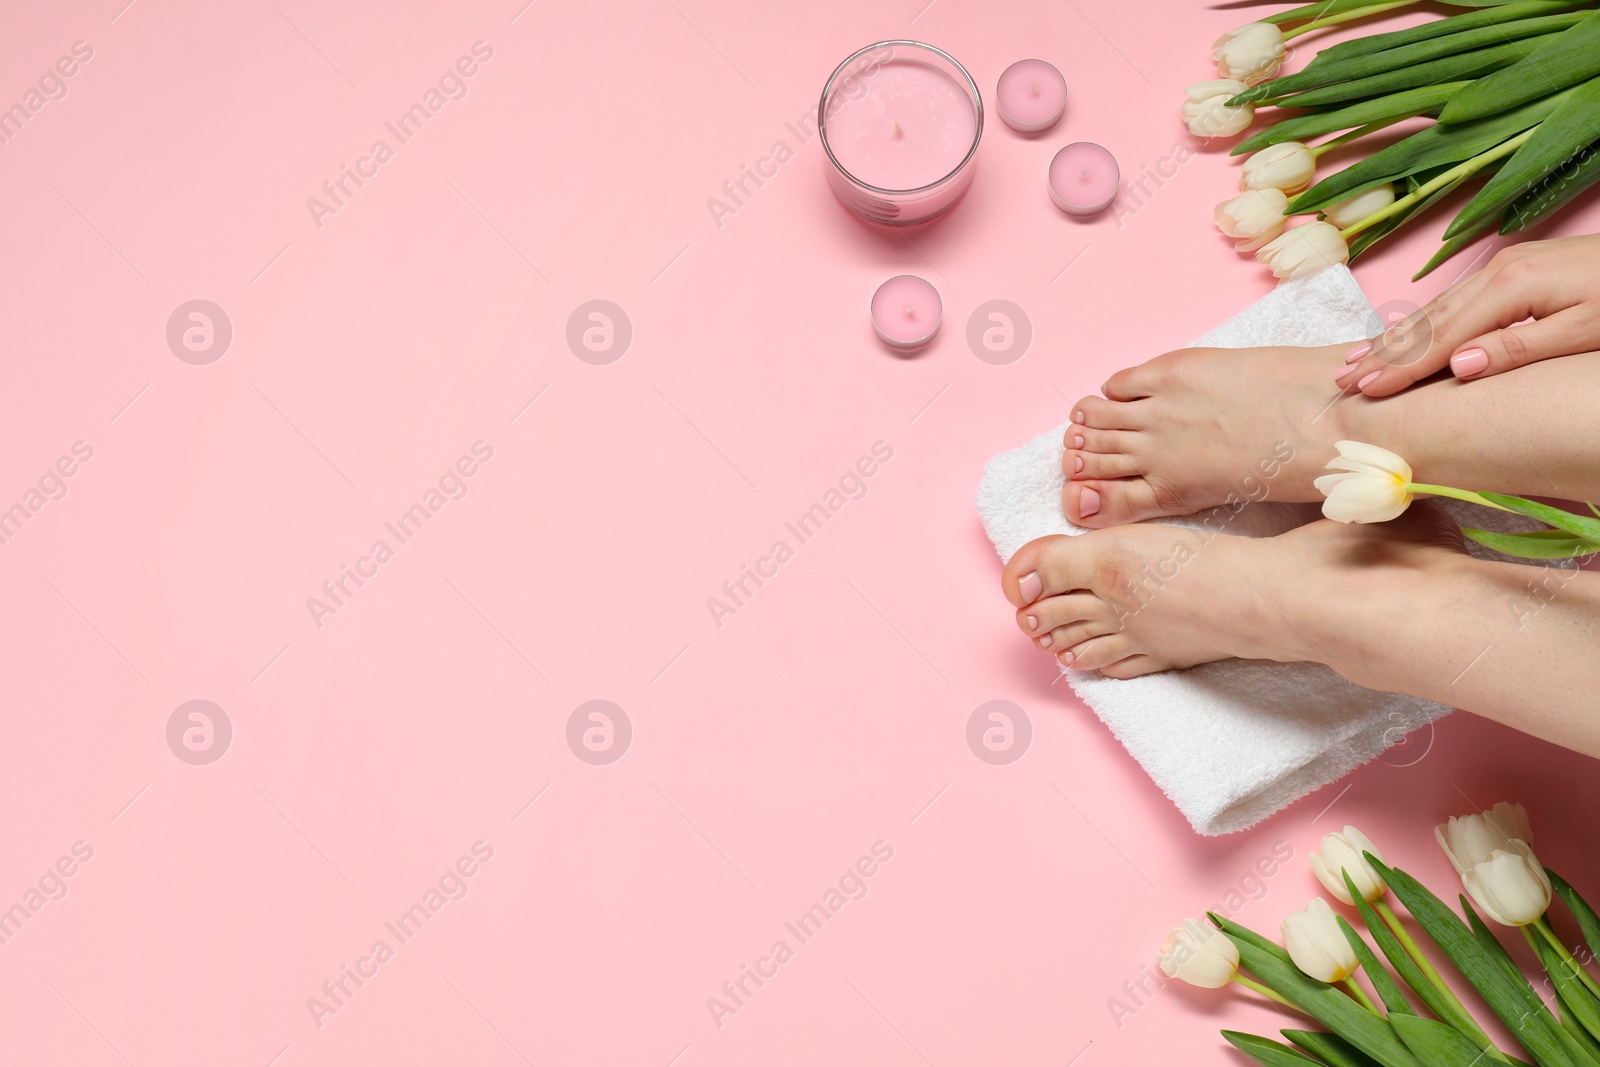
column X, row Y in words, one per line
column 1083, row 178
column 1031, row 95
column 900, row 122
column 906, row 311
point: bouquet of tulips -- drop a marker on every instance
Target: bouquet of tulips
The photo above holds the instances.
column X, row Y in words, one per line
column 1413, row 1018
column 1512, row 86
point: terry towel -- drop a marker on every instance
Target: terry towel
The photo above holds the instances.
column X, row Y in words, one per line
column 1231, row 742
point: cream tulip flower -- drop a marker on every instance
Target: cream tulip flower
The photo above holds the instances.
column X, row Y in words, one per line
column 1303, row 250
column 1252, row 53
column 1374, row 486
column 1206, row 112
column 1341, row 852
column 1317, row 945
column 1252, row 218
column 1287, row 165
column 1511, row 886
column 1200, row 955
column 1352, row 209
column 1470, row 839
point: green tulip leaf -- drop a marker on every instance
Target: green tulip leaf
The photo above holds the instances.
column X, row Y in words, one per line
column 1472, row 20
column 1454, row 245
column 1581, row 525
column 1317, row 10
column 1268, row 1052
column 1570, row 128
column 1433, row 147
column 1476, row 64
column 1387, row 988
column 1588, row 921
column 1511, row 998
column 1567, row 58
column 1552, row 194
column 1541, row 544
column 1369, row 237
column 1330, row 1048
column 1436, row 1044
column 1384, row 109
column 1317, row 75
column 1580, row 1012
column 1244, row 933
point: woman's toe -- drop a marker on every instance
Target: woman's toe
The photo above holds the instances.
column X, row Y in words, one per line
column 1081, row 465
column 1105, row 414
column 1097, row 652
column 1136, row 383
column 1105, row 442
column 1114, row 501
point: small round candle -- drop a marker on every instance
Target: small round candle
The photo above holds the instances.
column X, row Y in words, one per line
column 1083, row 178
column 1032, row 94
column 906, row 311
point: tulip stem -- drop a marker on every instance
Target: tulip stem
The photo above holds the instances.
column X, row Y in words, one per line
column 1455, row 494
column 1579, row 971
column 1392, row 921
column 1346, row 16
column 1360, row 995
column 1270, row 994
column 1427, row 189
column 1346, row 138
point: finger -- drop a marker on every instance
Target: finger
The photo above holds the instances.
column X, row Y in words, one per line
column 1562, row 334
column 1421, row 344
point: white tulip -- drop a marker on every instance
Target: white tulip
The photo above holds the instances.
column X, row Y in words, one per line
column 1206, row 112
column 1317, row 945
column 1373, row 488
column 1200, row 955
column 1287, row 165
column 1341, row 852
column 1510, row 886
column 1352, row 209
column 1303, row 250
column 1470, row 839
column 1252, row 53
column 1253, row 218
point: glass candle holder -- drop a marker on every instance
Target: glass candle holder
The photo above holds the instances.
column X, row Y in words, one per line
column 900, row 122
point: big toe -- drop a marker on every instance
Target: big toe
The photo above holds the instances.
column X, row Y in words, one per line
column 1097, row 503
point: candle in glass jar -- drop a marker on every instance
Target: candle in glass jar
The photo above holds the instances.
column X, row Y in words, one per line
column 906, row 311
column 1031, row 94
column 1083, row 178
column 910, row 126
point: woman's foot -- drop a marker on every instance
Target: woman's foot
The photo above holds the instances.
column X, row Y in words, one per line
column 1198, row 428
column 1139, row 599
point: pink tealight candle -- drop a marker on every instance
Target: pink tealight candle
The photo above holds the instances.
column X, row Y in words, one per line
column 906, row 311
column 1032, row 94
column 1083, row 178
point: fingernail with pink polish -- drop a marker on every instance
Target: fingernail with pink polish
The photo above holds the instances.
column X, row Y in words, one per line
column 1343, row 372
column 1030, row 587
column 1046, row 641
column 1368, row 380
column 1357, row 352
column 1088, row 503
column 1469, row 362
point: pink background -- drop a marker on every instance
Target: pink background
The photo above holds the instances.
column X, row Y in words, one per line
column 769, row 753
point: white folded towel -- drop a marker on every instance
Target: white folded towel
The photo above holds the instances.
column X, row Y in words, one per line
column 1230, row 742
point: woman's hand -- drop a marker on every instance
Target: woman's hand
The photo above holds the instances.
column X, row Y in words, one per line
column 1471, row 326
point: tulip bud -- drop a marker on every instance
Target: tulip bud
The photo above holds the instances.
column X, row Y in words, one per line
column 1206, row 112
column 1470, row 839
column 1252, row 53
column 1352, row 209
column 1317, row 945
column 1342, row 852
column 1304, row 250
column 1200, row 955
column 1510, row 886
column 1374, row 487
column 1252, row 218
column 1288, row 165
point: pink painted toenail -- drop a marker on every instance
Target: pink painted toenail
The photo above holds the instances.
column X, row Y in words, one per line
column 1078, row 417
column 1077, row 464
column 1033, row 622
column 1466, row 364
column 1088, row 503
column 1030, row 587
column 1077, row 440
column 1066, row 658
column 1364, row 382
column 1046, row 641
column 1357, row 352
